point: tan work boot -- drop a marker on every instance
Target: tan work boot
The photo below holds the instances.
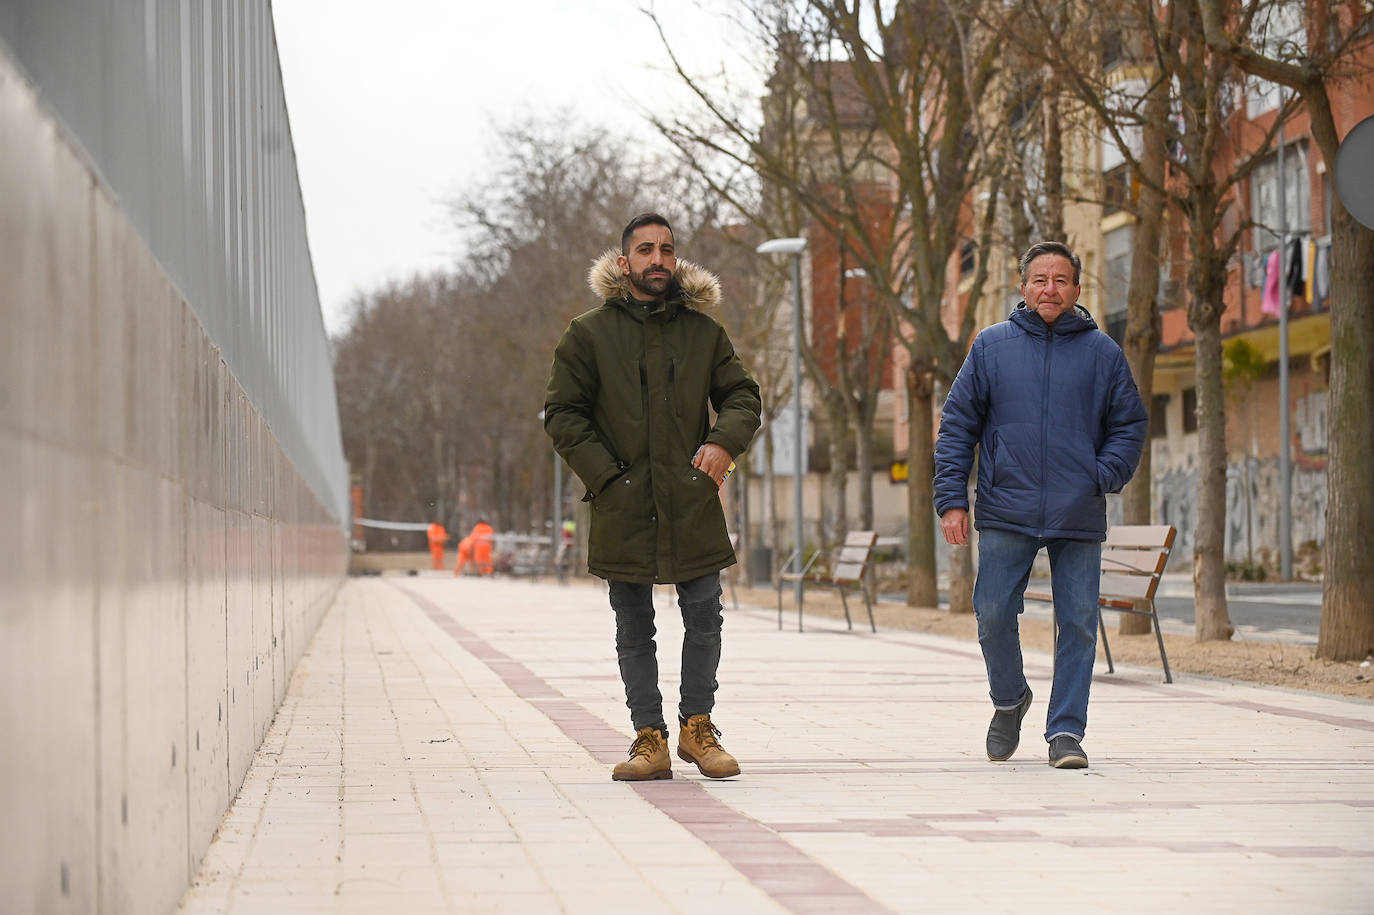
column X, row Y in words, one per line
column 648, row 758
column 696, row 743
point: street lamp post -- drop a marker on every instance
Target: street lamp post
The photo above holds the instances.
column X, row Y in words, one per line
column 794, row 247
column 1285, row 299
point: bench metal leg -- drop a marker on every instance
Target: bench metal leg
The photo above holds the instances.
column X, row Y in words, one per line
column 868, row 602
column 1159, row 637
column 1106, row 649
column 780, row 605
column 845, row 603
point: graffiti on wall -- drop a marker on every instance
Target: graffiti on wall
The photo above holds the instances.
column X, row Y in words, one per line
column 1252, row 491
column 1174, row 486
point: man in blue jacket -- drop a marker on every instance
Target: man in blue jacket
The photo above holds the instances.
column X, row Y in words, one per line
column 1058, row 421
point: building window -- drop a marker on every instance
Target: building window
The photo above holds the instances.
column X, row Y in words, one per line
column 1159, row 413
column 1189, row 410
column 1116, row 280
column 968, row 257
column 1297, row 197
column 1116, row 189
column 1125, row 100
column 1111, row 48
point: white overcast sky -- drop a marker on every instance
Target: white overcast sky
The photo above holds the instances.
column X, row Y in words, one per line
column 392, row 101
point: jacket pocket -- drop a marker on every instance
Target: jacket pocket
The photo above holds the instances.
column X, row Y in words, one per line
column 1087, row 459
column 699, row 529
column 622, row 528
column 993, row 457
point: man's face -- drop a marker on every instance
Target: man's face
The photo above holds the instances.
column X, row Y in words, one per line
column 650, row 265
column 1049, row 286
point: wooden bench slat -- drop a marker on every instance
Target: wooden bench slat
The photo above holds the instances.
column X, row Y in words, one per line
column 852, row 554
column 848, row 571
column 1145, row 562
column 1157, row 536
column 1136, row 587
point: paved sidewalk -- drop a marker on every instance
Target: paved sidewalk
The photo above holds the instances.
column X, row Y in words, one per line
column 446, row 746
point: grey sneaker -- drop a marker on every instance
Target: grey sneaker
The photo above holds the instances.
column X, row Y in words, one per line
column 1067, row 753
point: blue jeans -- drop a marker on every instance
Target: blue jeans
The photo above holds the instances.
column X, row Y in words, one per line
column 1004, row 566
column 699, row 600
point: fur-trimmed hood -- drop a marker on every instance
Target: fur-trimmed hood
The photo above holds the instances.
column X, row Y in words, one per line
column 694, row 285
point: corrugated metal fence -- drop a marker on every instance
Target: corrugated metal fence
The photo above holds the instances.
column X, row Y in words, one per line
column 179, row 106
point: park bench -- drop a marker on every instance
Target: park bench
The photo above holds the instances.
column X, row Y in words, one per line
column 847, row 568
column 1133, row 560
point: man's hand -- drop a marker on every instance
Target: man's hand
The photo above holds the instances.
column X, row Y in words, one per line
column 955, row 525
column 713, row 459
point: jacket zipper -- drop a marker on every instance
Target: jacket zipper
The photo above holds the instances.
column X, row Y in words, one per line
column 1045, row 428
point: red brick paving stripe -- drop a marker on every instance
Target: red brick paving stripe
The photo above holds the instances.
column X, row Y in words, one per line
column 793, row 879
column 1334, row 720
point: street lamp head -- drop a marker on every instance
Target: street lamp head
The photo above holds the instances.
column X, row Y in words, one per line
column 782, row 246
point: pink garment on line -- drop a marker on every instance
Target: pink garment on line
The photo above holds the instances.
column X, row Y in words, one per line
column 1269, row 301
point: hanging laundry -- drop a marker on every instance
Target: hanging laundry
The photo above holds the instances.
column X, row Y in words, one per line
column 1321, row 284
column 1309, row 257
column 1294, row 284
column 1269, row 301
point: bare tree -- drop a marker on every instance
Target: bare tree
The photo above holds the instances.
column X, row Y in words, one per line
column 915, row 73
column 398, row 397
column 1207, row 164
column 1133, row 113
column 798, row 139
column 1336, row 53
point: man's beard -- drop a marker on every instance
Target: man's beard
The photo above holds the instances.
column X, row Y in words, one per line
column 655, row 284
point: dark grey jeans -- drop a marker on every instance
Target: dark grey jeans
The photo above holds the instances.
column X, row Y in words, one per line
column 699, row 600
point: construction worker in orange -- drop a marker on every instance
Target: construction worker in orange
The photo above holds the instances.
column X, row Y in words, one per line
column 475, row 548
column 437, row 538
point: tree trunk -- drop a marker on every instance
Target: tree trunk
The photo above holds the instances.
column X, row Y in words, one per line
column 1209, row 558
column 962, row 574
column 961, row 578
column 1142, row 313
column 838, row 418
column 1347, row 622
column 922, row 586
column 1053, row 226
column 863, row 459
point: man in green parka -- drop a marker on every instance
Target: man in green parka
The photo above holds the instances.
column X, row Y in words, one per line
column 628, row 407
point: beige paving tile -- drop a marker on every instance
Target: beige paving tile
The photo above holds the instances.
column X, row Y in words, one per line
column 446, row 748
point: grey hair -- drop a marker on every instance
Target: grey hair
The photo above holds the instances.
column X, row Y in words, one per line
column 1042, row 248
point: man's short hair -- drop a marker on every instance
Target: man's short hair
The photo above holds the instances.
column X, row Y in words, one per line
column 643, row 219
column 1040, row 249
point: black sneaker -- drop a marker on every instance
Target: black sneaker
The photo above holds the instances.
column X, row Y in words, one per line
column 1067, row 753
column 1004, row 732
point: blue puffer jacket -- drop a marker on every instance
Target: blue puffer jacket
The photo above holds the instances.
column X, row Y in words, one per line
column 1058, row 421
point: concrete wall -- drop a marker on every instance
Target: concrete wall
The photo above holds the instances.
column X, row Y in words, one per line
column 164, row 564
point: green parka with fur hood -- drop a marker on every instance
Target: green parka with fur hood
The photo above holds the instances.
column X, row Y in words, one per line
column 627, row 408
